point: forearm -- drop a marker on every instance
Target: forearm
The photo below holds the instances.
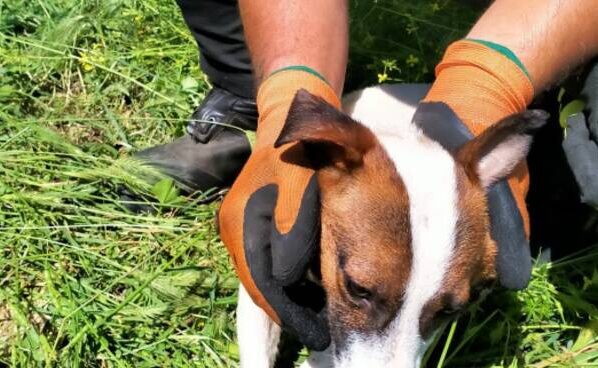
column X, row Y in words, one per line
column 515, row 50
column 550, row 37
column 313, row 33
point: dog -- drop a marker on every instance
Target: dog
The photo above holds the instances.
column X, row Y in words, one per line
column 405, row 234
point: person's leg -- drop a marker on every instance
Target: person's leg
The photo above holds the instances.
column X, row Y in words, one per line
column 224, row 58
column 212, row 152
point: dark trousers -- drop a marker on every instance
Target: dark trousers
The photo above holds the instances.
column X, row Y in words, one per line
column 224, row 58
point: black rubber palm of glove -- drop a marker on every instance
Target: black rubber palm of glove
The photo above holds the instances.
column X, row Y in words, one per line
column 277, row 263
column 513, row 261
column 581, row 141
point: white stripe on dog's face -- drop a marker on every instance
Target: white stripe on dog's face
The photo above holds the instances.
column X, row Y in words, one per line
column 428, row 172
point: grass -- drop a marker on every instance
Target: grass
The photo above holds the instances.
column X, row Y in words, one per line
column 85, row 283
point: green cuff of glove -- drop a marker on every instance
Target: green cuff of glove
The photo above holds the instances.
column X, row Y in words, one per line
column 302, row 68
column 504, row 51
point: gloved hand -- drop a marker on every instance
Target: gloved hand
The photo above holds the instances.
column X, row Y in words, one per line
column 581, row 141
column 269, row 221
column 477, row 84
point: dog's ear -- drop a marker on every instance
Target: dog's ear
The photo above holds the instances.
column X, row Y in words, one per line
column 492, row 156
column 329, row 136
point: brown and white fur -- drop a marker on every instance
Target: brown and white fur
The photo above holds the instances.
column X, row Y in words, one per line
column 405, row 229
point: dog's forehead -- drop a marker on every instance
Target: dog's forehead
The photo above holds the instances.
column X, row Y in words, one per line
column 429, row 175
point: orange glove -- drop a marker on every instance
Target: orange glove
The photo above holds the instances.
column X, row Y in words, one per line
column 482, row 86
column 478, row 83
column 269, row 221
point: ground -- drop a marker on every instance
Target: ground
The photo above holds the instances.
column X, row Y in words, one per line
column 84, row 282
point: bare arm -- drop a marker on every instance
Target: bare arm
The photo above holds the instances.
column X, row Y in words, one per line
column 550, row 37
column 297, row 32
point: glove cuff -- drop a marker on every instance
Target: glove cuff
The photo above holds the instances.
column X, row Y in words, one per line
column 276, row 93
column 482, row 82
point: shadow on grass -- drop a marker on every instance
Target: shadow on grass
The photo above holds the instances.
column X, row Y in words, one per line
column 488, row 335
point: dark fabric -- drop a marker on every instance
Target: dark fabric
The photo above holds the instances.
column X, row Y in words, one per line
column 558, row 219
column 590, row 95
column 582, row 156
column 261, row 248
column 581, row 142
column 513, row 261
column 224, row 58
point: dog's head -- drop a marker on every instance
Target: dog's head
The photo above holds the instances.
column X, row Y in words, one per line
column 405, row 226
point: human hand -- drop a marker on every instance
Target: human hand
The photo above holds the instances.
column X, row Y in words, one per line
column 269, row 221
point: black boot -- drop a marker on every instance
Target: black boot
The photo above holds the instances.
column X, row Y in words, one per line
column 215, row 147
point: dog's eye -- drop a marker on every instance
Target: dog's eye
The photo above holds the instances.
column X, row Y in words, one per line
column 481, row 290
column 356, row 290
column 450, row 310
